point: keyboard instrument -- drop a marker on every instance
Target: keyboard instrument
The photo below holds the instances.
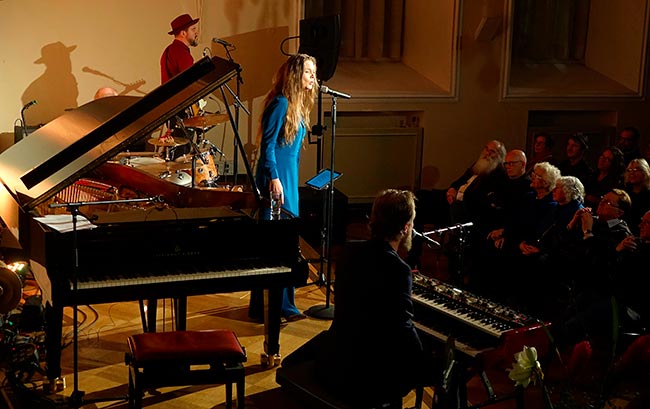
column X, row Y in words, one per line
column 487, row 333
column 147, row 237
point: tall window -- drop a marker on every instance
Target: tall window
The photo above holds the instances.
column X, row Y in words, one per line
column 371, row 30
column 550, row 31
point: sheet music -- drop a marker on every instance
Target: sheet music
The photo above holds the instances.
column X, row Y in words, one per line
column 63, row 222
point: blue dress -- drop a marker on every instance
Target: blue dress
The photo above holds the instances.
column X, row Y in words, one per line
column 278, row 160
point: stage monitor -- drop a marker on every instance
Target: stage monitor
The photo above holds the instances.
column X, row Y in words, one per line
column 320, row 37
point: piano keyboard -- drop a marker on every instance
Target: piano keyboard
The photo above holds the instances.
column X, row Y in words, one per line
column 143, row 278
column 461, row 312
column 477, row 324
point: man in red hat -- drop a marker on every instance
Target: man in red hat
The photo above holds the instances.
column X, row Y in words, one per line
column 177, row 56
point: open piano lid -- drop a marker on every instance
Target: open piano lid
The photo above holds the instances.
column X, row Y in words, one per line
column 72, row 145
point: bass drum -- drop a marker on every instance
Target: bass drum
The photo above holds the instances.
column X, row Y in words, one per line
column 205, row 174
column 206, row 170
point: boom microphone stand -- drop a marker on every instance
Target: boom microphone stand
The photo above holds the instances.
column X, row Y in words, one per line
column 327, row 311
column 227, row 46
column 77, row 396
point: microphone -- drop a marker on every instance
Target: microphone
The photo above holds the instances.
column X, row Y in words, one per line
column 29, row 104
column 325, row 90
column 222, row 42
column 206, row 51
column 427, row 240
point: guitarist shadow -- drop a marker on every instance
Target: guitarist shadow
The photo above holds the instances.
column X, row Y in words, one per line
column 128, row 88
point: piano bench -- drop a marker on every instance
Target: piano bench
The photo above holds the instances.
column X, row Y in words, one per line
column 175, row 358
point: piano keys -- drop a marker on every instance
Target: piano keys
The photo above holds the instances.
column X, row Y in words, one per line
column 199, row 241
column 487, row 333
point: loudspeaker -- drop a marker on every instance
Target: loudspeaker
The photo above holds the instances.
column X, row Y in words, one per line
column 19, row 132
column 320, row 37
column 312, row 207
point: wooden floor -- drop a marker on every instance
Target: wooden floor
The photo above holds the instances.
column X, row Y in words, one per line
column 105, row 328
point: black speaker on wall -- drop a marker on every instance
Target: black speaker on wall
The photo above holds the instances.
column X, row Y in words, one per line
column 312, row 208
column 320, row 37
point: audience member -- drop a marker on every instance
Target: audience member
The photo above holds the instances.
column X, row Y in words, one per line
column 633, row 252
column 472, row 198
column 532, row 216
column 637, row 185
column 608, row 175
column 575, row 163
column 537, row 215
column 601, row 235
column 608, row 246
column 515, row 192
column 542, row 151
column 629, row 142
column 552, row 259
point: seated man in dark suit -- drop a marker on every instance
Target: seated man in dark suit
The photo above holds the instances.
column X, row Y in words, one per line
column 373, row 350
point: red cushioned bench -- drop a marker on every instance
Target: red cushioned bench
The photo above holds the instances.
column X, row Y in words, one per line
column 176, row 358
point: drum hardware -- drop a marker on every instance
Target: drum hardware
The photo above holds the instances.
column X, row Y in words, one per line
column 213, row 148
column 170, row 142
column 11, row 289
column 205, row 121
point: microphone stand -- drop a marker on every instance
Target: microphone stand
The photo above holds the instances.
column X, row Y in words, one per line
column 77, row 396
column 327, row 311
column 462, row 238
column 237, row 106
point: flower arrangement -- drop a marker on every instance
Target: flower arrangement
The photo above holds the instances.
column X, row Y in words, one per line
column 634, row 361
column 527, row 370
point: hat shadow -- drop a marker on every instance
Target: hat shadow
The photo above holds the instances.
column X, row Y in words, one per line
column 56, row 89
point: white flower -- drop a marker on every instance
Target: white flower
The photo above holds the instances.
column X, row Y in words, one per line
column 526, row 369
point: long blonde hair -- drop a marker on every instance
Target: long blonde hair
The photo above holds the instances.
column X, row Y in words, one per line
column 288, row 82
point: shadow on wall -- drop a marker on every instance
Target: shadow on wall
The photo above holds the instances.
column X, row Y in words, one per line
column 56, row 89
column 6, row 140
column 259, row 55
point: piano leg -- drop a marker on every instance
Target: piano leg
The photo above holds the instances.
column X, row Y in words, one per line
column 53, row 340
column 180, row 309
column 152, row 312
column 272, row 313
column 180, row 314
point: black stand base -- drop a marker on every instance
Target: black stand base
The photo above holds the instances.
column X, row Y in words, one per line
column 323, row 312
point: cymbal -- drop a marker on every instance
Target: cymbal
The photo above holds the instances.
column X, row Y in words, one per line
column 168, row 142
column 205, row 120
column 157, row 168
column 10, row 289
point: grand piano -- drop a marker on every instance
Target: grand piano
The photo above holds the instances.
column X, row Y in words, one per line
column 146, row 237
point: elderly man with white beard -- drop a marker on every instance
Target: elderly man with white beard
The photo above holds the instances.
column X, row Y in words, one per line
column 472, row 198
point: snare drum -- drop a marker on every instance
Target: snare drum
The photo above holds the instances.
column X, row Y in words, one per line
column 137, row 161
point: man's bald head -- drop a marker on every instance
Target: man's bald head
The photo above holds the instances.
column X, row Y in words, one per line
column 105, row 92
column 515, row 163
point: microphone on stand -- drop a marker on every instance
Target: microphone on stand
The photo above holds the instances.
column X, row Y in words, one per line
column 29, row 104
column 222, row 42
column 22, row 114
column 325, row 90
column 426, row 239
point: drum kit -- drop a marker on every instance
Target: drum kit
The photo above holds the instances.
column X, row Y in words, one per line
column 197, row 168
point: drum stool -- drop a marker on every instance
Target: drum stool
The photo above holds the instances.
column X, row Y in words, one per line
column 158, row 359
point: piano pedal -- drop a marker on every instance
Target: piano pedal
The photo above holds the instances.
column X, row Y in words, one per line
column 268, row 361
